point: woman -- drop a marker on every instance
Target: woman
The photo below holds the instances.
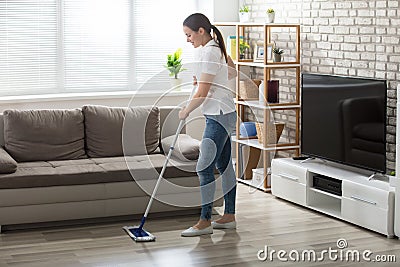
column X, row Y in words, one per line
column 219, row 111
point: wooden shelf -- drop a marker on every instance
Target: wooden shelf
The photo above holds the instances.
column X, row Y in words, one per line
column 274, row 65
column 268, row 68
column 255, row 24
column 254, row 143
column 258, row 105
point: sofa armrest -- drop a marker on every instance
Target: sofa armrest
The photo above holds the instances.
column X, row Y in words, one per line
column 7, row 163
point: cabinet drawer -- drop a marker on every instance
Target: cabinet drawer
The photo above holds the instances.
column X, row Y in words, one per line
column 368, row 215
column 288, row 189
column 289, row 171
column 371, row 196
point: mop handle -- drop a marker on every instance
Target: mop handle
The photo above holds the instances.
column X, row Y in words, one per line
column 181, row 124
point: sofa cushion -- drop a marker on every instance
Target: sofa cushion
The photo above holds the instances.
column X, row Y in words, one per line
column 146, row 167
column 39, row 135
column 7, row 163
column 185, row 149
column 92, row 171
column 107, row 128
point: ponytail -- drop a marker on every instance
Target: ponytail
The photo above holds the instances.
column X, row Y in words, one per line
column 197, row 20
column 220, row 41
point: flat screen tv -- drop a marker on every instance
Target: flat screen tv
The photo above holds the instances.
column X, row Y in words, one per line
column 343, row 119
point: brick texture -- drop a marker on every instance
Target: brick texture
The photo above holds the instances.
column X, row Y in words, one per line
column 340, row 37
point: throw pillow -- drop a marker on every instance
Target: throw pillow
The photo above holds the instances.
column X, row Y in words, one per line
column 115, row 131
column 7, row 163
column 186, row 147
column 37, row 135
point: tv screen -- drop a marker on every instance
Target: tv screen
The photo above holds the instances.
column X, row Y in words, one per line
column 343, row 119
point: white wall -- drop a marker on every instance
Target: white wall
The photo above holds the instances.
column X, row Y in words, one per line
column 220, row 10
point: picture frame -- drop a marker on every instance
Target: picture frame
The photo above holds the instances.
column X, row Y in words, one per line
column 259, row 52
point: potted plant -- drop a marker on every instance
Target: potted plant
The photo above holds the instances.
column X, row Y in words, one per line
column 244, row 14
column 270, row 15
column 277, row 54
column 242, row 48
column 174, row 63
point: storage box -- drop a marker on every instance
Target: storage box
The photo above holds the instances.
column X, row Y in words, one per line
column 248, row 89
column 258, row 177
column 250, row 158
column 273, row 133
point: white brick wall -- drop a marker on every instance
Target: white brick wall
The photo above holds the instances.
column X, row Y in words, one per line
column 347, row 37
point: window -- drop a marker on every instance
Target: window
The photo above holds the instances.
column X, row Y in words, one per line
column 28, row 46
column 159, row 32
column 58, row 46
column 96, row 45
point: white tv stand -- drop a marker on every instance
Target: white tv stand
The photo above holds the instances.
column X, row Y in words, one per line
column 364, row 202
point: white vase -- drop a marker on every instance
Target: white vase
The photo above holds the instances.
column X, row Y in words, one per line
column 270, row 17
column 176, row 84
column 261, row 92
column 244, row 16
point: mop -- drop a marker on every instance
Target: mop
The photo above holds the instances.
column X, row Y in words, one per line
column 137, row 233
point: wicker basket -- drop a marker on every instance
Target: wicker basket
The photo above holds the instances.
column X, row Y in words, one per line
column 273, row 136
column 248, row 89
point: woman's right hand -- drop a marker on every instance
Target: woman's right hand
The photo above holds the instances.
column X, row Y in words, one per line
column 183, row 114
column 194, row 80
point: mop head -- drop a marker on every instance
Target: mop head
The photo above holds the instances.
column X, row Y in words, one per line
column 139, row 234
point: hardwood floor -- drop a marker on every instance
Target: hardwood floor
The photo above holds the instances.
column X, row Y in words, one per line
column 262, row 220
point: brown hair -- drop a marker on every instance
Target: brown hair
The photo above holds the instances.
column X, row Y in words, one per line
column 197, row 21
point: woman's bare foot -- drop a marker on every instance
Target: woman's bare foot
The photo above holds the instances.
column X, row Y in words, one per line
column 226, row 218
column 201, row 224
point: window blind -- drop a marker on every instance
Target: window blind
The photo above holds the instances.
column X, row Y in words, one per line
column 96, row 44
column 58, row 46
column 158, row 32
column 28, row 46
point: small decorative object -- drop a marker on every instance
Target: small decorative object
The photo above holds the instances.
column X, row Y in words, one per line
column 244, row 14
column 242, row 48
column 248, row 129
column 231, row 46
column 270, row 15
column 248, row 89
column 261, row 98
column 274, row 132
column 259, row 52
column 277, row 54
column 174, row 63
column 273, row 91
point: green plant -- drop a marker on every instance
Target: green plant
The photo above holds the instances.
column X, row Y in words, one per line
column 270, row 10
column 244, row 9
column 393, row 173
column 243, row 46
column 277, row 50
column 174, row 63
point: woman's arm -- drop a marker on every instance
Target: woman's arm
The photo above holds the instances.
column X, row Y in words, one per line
column 204, row 85
column 232, row 73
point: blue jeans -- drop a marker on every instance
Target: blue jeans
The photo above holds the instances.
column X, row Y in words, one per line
column 215, row 151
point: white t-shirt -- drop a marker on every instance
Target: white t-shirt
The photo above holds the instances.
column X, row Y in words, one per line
column 220, row 97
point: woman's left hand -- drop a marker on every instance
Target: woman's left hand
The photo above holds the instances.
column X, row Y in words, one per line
column 183, row 114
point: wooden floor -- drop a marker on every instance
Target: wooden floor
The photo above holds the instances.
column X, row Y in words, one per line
column 262, row 220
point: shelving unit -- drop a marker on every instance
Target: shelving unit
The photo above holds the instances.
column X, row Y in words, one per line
column 268, row 67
